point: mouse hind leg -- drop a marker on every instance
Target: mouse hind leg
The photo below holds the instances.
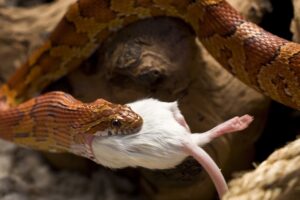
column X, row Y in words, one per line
column 232, row 125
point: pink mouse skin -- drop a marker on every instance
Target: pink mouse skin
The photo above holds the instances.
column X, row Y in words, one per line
column 164, row 141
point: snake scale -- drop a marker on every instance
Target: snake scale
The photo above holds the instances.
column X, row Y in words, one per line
column 58, row 122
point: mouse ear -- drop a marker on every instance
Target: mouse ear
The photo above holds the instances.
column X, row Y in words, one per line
column 178, row 115
column 173, row 105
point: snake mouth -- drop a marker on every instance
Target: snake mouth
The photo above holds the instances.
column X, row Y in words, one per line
column 103, row 133
column 107, row 133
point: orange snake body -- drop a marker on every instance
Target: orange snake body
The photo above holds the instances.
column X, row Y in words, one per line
column 57, row 121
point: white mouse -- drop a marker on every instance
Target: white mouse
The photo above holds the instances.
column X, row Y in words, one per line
column 163, row 142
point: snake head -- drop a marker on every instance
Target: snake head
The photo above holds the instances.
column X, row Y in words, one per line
column 113, row 119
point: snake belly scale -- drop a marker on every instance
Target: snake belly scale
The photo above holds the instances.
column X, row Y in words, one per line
column 263, row 61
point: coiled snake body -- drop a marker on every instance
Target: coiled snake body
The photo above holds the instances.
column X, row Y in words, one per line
column 58, row 122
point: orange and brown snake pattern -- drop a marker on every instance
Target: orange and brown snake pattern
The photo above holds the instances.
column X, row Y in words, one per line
column 57, row 121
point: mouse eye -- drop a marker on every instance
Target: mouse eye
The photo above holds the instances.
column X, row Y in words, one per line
column 116, row 123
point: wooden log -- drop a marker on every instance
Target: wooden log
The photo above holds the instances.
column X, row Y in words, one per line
column 158, row 58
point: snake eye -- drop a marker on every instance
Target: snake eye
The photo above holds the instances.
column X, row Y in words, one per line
column 116, row 123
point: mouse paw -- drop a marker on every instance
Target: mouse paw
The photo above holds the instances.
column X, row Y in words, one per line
column 232, row 125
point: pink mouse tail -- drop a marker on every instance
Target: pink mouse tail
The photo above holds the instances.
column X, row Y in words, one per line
column 192, row 148
column 210, row 166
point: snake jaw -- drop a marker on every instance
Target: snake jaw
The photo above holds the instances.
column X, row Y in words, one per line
column 101, row 133
column 107, row 133
column 124, row 122
column 83, row 146
column 113, row 132
column 133, row 121
column 109, row 119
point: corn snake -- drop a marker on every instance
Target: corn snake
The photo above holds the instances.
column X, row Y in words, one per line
column 261, row 60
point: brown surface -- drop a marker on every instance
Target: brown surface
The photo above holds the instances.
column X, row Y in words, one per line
column 141, row 61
